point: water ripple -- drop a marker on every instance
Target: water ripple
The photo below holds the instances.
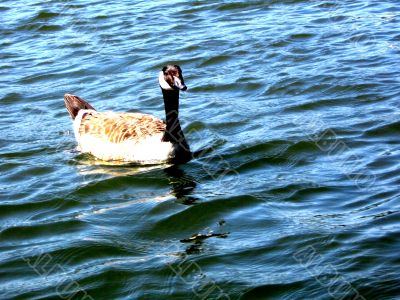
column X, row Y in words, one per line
column 291, row 110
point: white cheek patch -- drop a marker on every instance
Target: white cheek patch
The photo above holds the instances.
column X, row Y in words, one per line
column 164, row 85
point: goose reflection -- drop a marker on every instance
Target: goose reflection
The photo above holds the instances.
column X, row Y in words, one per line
column 182, row 185
column 182, row 191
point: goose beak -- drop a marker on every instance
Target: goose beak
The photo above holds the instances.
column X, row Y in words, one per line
column 178, row 84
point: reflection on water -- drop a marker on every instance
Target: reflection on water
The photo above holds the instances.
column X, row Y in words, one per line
column 182, row 184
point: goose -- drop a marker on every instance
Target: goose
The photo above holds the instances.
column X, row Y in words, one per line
column 133, row 137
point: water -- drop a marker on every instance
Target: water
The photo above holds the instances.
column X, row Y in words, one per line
column 297, row 104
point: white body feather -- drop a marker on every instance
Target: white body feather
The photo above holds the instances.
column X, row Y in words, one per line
column 148, row 150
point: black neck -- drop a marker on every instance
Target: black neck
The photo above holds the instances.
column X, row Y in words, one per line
column 173, row 132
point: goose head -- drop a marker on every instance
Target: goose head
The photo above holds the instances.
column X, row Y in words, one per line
column 171, row 78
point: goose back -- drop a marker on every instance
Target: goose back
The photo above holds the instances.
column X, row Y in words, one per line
column 122, row 136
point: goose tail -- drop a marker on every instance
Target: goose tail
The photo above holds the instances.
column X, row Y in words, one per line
column 74, row 104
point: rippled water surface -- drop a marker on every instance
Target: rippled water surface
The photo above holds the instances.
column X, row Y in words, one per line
column 296, row 197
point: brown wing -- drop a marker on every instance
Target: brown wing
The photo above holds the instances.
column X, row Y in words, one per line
column 119, row 127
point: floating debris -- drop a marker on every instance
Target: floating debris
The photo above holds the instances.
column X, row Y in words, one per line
column 200, row 237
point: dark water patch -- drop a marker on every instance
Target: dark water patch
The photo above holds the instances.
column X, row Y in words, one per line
column 193, row 219
column 300, row 192
column 26, row 172
column 40, row 28
column 318, row 104
column 101, row 17
column 286, row 154
column 93, row 252
column 300, row 36
column 384, row 167
column 11, row 208
column 370, row 291
column 364, row 38
column 75, row 44
column 182, row 27
column 381, row 198
column 215, row 88
column 222, row 125
column 379, row 241
column 196, row 126
column 305, row 147
column 370, row 98
column 48, row 76
column 114, row 280
column 340, row 89
column 44, row 15
column 259, row 162
column 38, row 231
column 271, row 148
column 286, row 87
column 8, row 55
column 11, row 98
column 362, row 62
column 241, row 5
column 195, row 9
column 120, row 182
column 215, row 60
column 279, row 43
column 249, row 84
column 390, row 129
column 10, row 166
column 271, row 291
column 20, row 154
column 6, row 66
column 330, row 19
column 190, row 48
column 327, row 5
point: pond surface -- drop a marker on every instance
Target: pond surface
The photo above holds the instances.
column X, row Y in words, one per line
column 297, row 196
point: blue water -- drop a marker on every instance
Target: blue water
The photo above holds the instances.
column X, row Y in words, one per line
column 296, row 197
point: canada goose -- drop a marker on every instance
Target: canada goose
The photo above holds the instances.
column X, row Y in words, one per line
column 133, row 137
